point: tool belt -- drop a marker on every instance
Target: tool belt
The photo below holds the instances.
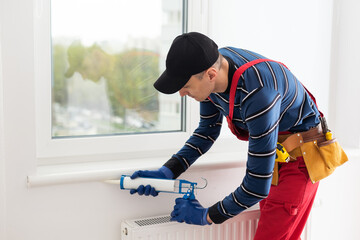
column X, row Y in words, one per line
column 321, row 156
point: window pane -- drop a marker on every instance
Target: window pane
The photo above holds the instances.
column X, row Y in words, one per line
column 106, row 55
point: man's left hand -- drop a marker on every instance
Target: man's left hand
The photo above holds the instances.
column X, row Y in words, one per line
column 189, row 211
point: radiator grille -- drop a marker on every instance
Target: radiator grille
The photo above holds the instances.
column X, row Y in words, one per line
column 241, row 227
column 153, row 221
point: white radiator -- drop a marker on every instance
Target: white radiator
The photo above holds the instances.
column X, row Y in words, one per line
column 241, row 227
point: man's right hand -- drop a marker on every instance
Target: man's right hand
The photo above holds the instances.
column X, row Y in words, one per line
column 163, row 172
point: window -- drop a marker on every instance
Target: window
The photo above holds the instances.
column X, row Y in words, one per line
column 95, row 64
column 106, row 55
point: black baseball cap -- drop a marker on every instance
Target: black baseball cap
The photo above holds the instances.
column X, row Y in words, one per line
column 189, row 54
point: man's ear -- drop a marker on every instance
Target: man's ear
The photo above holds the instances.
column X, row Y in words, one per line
column 212, row 73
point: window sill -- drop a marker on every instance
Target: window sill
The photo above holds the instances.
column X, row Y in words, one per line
column 106, row 170
column 101, row 171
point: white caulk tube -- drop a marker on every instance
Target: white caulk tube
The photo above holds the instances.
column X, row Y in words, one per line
column 160, row 185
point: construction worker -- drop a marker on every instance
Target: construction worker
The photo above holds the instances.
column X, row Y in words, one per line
column 264, row 104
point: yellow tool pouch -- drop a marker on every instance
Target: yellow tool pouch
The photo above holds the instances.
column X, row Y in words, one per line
column 321, row 158
column 322, row 155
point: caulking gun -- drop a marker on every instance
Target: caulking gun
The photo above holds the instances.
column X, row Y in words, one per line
column 179, row 186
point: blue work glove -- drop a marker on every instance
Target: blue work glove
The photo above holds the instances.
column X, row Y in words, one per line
column 189, row 211
column 163, row 172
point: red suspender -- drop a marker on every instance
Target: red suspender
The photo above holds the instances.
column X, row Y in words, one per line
column 236, row 78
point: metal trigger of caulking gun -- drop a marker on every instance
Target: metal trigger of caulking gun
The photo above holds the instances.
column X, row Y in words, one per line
column 193, row 186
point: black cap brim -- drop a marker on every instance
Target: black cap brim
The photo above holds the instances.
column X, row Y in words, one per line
column 170, row 84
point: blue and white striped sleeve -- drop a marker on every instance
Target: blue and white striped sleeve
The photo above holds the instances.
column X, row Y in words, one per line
column 200, row 141
column 261, row 110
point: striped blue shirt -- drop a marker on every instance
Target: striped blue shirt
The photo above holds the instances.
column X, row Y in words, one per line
column 269, row 99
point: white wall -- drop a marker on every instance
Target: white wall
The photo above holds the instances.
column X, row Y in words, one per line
column 345, row 80
column 94, row 210
column 2, row 160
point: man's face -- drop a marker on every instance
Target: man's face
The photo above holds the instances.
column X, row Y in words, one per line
column 198, row 89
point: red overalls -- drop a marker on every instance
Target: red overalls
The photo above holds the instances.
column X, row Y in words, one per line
column 285, row 211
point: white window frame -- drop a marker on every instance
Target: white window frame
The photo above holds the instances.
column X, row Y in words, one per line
column 106, row 157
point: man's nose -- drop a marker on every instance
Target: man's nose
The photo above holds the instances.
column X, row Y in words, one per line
column 182, row 93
